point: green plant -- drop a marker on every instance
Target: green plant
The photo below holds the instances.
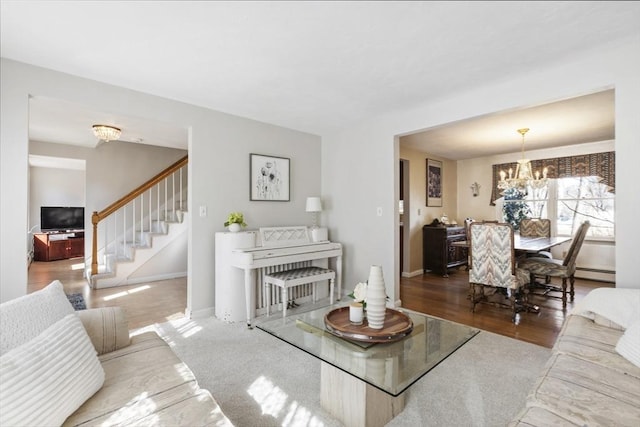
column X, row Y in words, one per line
column 235, row 218
column 515, row 209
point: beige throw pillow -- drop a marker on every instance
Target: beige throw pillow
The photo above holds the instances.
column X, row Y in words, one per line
column 43, row 381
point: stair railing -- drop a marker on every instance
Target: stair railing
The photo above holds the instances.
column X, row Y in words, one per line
column 167, row 197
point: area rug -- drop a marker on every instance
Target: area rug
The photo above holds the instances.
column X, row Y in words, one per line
column 77, row 301
column 259, row 380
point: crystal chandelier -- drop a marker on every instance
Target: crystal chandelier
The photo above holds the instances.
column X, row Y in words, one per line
column 106, row 133
column 524, row 176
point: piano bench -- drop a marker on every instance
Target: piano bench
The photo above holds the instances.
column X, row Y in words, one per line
column 297, row 276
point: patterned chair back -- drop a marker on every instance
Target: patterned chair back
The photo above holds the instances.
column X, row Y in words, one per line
column 492, row 260
column 576, row 244
column 535, row 227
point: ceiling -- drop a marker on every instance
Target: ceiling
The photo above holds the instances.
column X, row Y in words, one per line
column 318, row 67
column 588, row 118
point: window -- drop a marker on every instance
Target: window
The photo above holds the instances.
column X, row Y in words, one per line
column 568, row 202
column 584, row 198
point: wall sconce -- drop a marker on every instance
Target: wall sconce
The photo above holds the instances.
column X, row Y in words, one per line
column 475, row 189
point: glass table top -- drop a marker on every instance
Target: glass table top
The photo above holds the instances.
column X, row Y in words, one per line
column 391, row 367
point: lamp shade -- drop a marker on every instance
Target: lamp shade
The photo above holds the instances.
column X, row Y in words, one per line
column 314, row 204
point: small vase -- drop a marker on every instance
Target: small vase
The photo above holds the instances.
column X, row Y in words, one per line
column 376, row 298
column 234, row 228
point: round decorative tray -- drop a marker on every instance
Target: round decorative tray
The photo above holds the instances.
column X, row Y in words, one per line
column 397, row 325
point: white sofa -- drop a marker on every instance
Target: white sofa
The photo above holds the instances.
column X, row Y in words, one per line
column 593, row 375
column 62, row 367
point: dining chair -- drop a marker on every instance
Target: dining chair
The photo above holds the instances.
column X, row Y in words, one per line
column 537, row 227
column 492, row 266
column 467, row 224
column 563, row 268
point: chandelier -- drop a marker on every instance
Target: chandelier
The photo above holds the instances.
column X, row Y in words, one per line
column 106, row 133
column 523, row 176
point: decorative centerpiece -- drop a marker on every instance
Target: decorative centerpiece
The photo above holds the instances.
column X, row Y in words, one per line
column 375, row 324
column 235, row 221
column 376, row 298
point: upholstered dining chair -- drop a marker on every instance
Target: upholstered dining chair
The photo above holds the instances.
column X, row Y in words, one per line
column 562, row 268
column 492, row 265
column 537, row 227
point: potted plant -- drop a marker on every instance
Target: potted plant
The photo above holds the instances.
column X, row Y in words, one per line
column 515, row 207
column 234, row 221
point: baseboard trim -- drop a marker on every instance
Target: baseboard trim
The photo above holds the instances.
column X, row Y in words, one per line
column 199, row 314
column 413, row 273
column 155, row 278
column 604, row 275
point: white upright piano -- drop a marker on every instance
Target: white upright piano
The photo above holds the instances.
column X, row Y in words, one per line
column 276, row 248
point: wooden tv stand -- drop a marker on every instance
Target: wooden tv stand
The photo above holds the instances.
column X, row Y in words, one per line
column 60, row 245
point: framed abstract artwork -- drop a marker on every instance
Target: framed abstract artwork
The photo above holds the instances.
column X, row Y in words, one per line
column 269, row 178
column 434, row 182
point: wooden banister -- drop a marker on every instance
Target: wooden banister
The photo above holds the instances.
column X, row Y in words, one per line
column 96, row 217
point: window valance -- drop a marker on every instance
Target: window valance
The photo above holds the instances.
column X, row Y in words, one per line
column 596, row 164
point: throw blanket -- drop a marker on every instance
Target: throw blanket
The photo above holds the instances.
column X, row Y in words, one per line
column 619, row 305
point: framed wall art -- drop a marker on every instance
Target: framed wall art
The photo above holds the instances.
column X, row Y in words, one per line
column 434, row 182
column 269, row 178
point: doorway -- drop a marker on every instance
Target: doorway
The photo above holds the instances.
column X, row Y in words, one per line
column 404, row 207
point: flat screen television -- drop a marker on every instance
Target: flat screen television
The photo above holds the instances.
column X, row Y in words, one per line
column 57, row 218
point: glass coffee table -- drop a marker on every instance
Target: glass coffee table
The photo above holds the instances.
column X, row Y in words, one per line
column 364, row 383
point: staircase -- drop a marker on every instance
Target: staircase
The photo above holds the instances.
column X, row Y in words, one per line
column 133, row 232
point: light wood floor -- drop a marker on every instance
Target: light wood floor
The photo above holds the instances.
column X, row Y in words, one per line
column 157, row 302
column 144, row 304
column 447, row 298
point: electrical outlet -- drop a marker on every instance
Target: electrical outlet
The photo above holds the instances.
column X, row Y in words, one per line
column 203, row 211
column 379, row 211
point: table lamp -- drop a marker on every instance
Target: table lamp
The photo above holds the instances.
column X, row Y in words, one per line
column 314, row 205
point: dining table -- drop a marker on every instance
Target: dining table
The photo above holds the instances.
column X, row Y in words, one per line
column 526, row 243
column 537, row 244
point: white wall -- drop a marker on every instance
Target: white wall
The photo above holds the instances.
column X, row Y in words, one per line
column 370, row 239
column 112, row 171
column 419, row 213
column 53, row 187
column 219, row 147
column 170, row 262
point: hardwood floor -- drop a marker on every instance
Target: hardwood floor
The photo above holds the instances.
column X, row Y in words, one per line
column 446, row 298
column 144, row 304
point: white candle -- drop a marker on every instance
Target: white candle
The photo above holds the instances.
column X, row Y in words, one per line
column 356, row 313
column 503, row 175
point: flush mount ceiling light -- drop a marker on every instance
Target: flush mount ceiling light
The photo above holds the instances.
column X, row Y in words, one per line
column 106, row 133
